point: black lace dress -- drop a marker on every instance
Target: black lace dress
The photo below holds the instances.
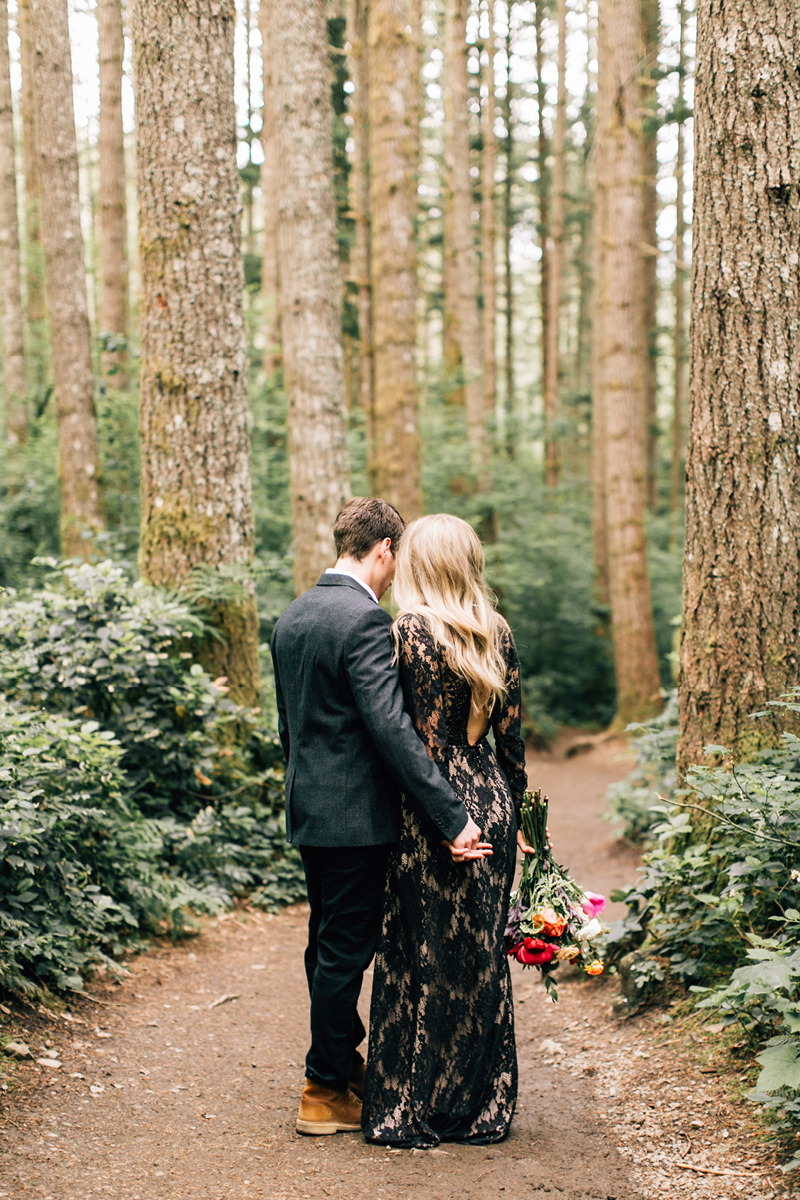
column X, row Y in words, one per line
column 442, row 1062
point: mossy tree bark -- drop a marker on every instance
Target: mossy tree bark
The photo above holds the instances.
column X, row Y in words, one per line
column 650, row 16
column 555, row 261
column 13, row 336
column 270, row 286
column 619, row 366
column 461, row 250
column 113, row 316
column 598, row 430
column 394, row 150
column 78, row 464
column 359, row 199
column 310, row 289
column 741, row 623
column 542, row 189
column 35, row 306
column 679, row 284
column 489, row 224
column 508, row 221
column 196, row 501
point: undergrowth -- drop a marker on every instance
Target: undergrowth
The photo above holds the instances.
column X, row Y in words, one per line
column 716, row 907
column 122, row 809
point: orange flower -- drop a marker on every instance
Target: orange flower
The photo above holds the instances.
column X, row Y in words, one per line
column 550, row 922
column 595, row 968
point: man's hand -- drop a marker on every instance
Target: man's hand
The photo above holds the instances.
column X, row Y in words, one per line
column 468, row 845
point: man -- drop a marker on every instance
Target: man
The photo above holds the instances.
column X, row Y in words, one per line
column 350, row 747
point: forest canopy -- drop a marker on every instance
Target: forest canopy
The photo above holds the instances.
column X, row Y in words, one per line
column 490, row 248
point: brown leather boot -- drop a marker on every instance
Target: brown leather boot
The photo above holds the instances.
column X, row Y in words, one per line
column 323, row 1110
column 357, row 1078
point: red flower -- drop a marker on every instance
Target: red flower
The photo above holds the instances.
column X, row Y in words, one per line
column 533, row 952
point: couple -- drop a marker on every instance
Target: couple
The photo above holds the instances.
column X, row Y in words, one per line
column 406, row 821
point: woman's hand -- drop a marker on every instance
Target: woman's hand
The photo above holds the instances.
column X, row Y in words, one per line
column 523, row 845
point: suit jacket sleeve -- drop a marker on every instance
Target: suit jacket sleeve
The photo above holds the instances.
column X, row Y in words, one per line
column 375, row 684
column 283, row 728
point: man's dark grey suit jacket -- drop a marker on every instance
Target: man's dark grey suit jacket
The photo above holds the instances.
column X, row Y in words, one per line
column 349, row 743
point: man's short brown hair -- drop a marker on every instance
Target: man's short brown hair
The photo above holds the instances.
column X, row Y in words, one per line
column 363, row 522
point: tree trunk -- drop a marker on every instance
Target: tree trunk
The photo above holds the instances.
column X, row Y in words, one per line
column 463, row 254
column 113, row 317
column 393, row 126
column 620, row 375
column 196, row 503
column 679, row 287
column 309, row 280
column 34, row 252
column 555, row 259
column 508, row 220
column 651, row 43
column 741, row 606
column 542, row 188
column 489, row 227
column 359, row 191
column 598, row 431
column 79, row 470
column 13, row 342
column 270, row 285
column 583, row 366
column 451, row 337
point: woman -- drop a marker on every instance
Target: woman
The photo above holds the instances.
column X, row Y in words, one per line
column 442, row 1061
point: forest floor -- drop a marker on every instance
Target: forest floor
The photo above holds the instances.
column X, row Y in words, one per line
column 182, row 1081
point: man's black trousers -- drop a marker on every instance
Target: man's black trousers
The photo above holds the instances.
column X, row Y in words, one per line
column 345, row 890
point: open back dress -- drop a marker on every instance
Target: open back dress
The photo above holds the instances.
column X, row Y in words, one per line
column 442, row 1062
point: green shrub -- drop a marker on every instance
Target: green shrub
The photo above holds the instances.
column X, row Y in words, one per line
column 717, row 908
column 94, row 645
column 708, row 887
column 137, row 804
column 81, row 871
column 633, row 802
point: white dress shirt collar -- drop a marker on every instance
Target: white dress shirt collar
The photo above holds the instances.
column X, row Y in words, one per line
column 350, row 575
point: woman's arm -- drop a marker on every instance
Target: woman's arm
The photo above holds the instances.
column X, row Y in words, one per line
column 506, row 725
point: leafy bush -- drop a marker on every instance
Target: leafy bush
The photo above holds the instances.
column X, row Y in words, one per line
column 81, row 869
column 123, row 803
column 709, row 886
column 634, row 801
column 121, row 654
column 717, row 908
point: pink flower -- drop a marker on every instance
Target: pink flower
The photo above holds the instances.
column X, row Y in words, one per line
column 593, row 904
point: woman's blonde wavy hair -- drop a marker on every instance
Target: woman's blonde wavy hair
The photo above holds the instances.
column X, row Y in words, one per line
column 440, row 577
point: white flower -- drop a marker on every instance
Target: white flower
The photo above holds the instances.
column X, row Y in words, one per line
column 591, row 929
column 795, row 875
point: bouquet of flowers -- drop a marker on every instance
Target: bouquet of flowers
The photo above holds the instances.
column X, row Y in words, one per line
column 551, row 919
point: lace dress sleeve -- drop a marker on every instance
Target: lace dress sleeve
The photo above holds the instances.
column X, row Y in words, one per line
column 422, row 683
column 506, row 725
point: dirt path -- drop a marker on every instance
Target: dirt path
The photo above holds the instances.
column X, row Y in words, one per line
column 185, row 1083
column 583, row 841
